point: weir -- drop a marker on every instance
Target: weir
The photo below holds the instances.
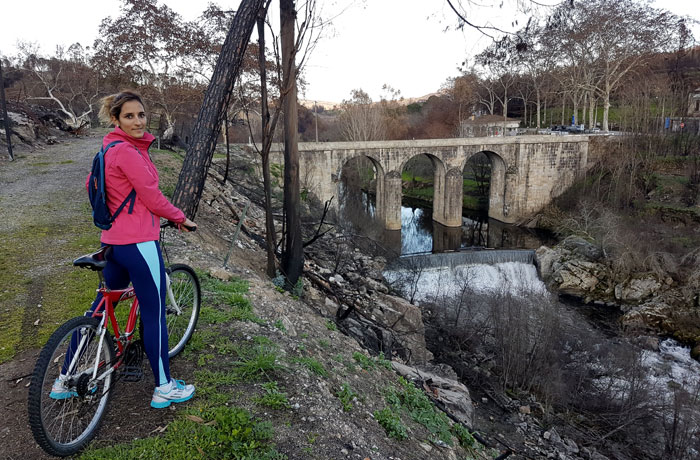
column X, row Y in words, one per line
column 465, row 257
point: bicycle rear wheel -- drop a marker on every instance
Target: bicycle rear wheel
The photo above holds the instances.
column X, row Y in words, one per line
column 182, row 320
column 65, row 416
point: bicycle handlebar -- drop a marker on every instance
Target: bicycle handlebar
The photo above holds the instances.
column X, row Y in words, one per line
column 173, row 224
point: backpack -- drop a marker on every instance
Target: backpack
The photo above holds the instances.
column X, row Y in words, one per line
column 98, row 196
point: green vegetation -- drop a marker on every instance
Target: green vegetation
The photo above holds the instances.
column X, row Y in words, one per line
column 391, row 422
column 35, row 301
column 256, row 362
column 413, row 401
column 313, row 365
column 368, row 363
column 272, row 397
column 346, row 396
column 331, row 326
column 221, row 433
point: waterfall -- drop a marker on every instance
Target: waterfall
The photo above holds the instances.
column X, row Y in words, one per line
column 459, row 258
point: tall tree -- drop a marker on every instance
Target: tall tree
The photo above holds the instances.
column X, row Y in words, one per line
column 293, row 253
column 613, row 39
column 190, row 184
column 361, row 119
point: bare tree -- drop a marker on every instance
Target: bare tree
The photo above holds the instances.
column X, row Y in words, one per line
column 361, row 119
column 611, row 40
column 66, row 79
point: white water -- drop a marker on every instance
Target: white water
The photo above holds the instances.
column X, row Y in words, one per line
column 672, row 363
column 512, row 276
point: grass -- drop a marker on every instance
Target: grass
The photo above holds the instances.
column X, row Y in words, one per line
column 313, row 365
column 220, row 433
column 62, row 291
column 272, row 397
column 256, row 362
column 409, row 399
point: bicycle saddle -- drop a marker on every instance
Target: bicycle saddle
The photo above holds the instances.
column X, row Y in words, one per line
column 95, row 261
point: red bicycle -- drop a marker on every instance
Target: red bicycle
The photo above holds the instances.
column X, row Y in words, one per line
column 90, row 361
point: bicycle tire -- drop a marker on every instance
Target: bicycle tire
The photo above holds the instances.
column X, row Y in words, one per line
column 65, row 425
column 188, row 296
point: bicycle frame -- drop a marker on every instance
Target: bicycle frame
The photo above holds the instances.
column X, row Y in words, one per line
column 105, row 311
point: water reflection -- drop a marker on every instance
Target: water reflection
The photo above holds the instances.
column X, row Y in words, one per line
column 420, row 234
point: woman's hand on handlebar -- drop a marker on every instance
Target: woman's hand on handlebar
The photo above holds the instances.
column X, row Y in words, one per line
column 187, row 226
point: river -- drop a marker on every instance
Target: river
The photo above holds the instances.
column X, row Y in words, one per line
column 652, row 379
column 420, row 234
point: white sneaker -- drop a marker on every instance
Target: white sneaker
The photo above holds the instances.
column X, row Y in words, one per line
column 179, row 392
column 60, row 391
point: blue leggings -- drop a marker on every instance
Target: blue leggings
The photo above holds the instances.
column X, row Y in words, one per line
column 142, row 265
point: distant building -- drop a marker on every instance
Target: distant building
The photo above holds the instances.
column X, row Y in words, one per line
column 489, row 126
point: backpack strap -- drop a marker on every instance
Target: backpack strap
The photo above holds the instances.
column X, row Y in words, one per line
column 131, row 197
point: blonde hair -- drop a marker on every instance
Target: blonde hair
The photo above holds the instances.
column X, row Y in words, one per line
column 112, row 104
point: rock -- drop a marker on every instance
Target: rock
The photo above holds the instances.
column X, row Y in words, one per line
column 637, row 288
column 220, row 273
column 649, row 316
column 582, row 248
column 23, row 127
column 571, row 446
column 406, row 321
column 330, row 308
column 695, row 352
column 376, row 286
column 571, row 273
column 453, row 394
column 525, row 410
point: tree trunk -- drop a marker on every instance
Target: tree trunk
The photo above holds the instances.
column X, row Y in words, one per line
column 190, row 184
column 293, row 254
column 3, row 107
column 606, row 111
column 266, row 136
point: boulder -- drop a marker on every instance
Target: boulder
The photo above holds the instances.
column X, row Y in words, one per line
column 452, row 394
column 648, row 316
column 572, row 272
column 695, row 352
column 406, row 322
column 638, row 288
column 23, row 127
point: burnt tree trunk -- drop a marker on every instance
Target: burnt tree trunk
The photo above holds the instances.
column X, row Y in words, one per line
column 293, row 253
column 190, row 184
column 3, row 107
column 268, row 129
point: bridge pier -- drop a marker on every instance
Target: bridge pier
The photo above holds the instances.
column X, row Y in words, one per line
column 389, row 200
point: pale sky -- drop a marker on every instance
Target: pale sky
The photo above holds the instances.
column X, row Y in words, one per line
column 402, row 43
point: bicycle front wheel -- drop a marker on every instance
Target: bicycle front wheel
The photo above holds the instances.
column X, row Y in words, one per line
column 183, row 301
column 65, row 403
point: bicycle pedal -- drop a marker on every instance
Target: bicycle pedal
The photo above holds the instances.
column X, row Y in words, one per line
column 132, row 373
column 133, row 360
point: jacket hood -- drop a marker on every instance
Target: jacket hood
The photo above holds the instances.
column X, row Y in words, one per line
column 119, row 135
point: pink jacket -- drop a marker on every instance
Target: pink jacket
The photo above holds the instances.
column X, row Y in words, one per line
column 126, row 168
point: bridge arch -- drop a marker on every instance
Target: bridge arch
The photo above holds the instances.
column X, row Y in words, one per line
column 439, row 177
column 497, row 182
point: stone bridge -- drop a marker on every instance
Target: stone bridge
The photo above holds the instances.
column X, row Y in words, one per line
column 527, row 172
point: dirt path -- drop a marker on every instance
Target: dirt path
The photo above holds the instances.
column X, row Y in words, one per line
column 44, row 219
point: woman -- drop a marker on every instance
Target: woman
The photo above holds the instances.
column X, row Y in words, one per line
column 135, row 256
